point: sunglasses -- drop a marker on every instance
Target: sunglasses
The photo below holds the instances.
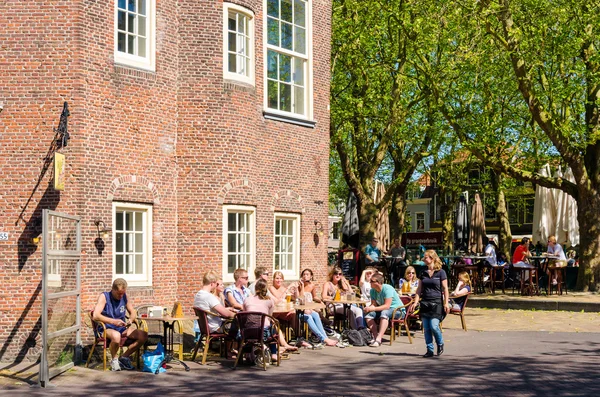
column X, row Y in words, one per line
column 411, row 273
column 245, row 277
column 266, row 274
column 337, row 274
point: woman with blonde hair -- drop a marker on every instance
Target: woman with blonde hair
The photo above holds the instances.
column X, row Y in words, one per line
column 410, row 283
column 459, row 295
column 433, row 296
column 338, row 283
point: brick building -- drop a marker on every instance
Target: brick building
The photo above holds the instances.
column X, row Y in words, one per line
column 198, row 137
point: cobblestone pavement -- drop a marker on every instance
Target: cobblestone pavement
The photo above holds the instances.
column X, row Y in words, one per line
column 504, row 353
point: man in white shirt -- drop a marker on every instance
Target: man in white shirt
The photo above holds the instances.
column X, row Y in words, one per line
column 259, row 272
column 206, row 300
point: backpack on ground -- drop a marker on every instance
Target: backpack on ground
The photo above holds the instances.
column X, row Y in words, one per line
column 360, row 337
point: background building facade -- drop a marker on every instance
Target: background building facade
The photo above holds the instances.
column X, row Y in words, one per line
column 199, row 136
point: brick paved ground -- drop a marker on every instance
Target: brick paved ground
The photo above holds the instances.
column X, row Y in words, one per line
column 505, row 352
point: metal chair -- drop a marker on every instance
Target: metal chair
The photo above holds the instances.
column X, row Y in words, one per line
column 400, row 322
column 461, row 312
column 99, row 329
column 207, row 334
column 252, row 325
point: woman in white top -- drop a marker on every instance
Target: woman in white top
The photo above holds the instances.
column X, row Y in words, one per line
column 555, row 249
column 365, row 284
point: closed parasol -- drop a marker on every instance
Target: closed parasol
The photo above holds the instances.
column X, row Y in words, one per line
column 477, row 236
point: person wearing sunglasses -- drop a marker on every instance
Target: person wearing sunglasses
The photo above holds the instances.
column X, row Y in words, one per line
column 236, row 294
column 259, row 272
column 365, row 283
column 410, row 283
column 337, row 282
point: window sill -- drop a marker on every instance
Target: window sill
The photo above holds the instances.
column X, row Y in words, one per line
column 289, row 119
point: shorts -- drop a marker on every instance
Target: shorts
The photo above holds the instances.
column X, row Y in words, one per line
column 386, row 314
column 100, row 330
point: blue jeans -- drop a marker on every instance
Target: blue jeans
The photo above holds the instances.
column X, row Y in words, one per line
column 316, row 326
column 431, row 329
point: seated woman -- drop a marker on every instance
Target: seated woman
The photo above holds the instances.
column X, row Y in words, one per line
column 263, row 304
column 311, row 317
column 384, row 300
column 459, row 295
column 409, row 284
column 337, row 284
column 279, row 293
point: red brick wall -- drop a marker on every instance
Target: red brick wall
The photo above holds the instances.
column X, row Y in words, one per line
column 180, row 138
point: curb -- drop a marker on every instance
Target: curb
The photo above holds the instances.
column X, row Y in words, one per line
column 517, row 304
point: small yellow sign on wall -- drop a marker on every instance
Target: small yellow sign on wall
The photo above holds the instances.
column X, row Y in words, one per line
column 59, row 171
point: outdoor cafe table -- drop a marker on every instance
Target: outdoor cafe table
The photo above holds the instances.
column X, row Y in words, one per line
column 168, row 323
column 532, row 287
column 286, row 307
column 540, row 262
column 475, row 270
column 348, row 302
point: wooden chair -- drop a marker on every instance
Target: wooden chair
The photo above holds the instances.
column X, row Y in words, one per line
column 252, row 326
column 99, row 329
column 207, row 335
column 461, row 312
column 400, row 322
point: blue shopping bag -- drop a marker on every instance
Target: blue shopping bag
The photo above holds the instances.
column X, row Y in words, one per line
column 154, row 360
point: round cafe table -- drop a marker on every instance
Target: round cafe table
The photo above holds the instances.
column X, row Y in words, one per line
column 348, row 302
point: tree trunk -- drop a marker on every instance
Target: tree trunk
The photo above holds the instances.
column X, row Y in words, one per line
column 447, row 210
column 588, row 278
column 367, row 222
column 504, row 234
column 398, row 214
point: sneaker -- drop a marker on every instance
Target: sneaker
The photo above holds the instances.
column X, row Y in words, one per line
column 319, row 345
column 428, row 354
column 114, row 365
column 341, row 345
column 375, row 344
column 126, row 363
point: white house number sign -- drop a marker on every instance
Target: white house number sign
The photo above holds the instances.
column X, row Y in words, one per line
column 3, row 236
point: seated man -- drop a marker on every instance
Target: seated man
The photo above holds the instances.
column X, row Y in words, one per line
column 372, row 253
column 206, row 300
column 520, row 255
column 236, row 294
column 259, row 272
column 398, row 254
column 384, row 300
column 111, row 310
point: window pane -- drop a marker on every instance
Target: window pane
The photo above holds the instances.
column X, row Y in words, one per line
column 131, row 5
column 128, row 264
column 130, row 44
column 271, row 64
column 128, row 220
column 247, row 245
column 286, row 10
column 298, row 100
column 122, row 4
column 139, row 243
column 119, row 243
column 141, row 47
column 231, row 223
column 231, row 245
column 272, row 94
column 273, row 32
column 285, row 68
column 300, row 40
column 285, row 97
column 273, row 8
column 119, row 264
column 277, row 263
column 142, row 27
column 121, row 42
column 290, row 261
column 299, row 13
column 131, row 23
column 231, row 23
column 231, row 59
column 119, row 218
column 241, row 23
column 121, row 24
column 286, row 36
column 231, row 45
column 298, row 71
column 142, row 7
column 129, row 242
column 231, row 264
column 139, row 262
column 139, row 221
column 242, row 222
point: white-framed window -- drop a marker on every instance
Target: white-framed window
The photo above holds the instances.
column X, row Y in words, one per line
column 239, row 239
column 135, row 33
column 238, row 39
column 286, row 248
column 335, row 230
column 287, row 59
column 420, row 219
column 132, row 243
